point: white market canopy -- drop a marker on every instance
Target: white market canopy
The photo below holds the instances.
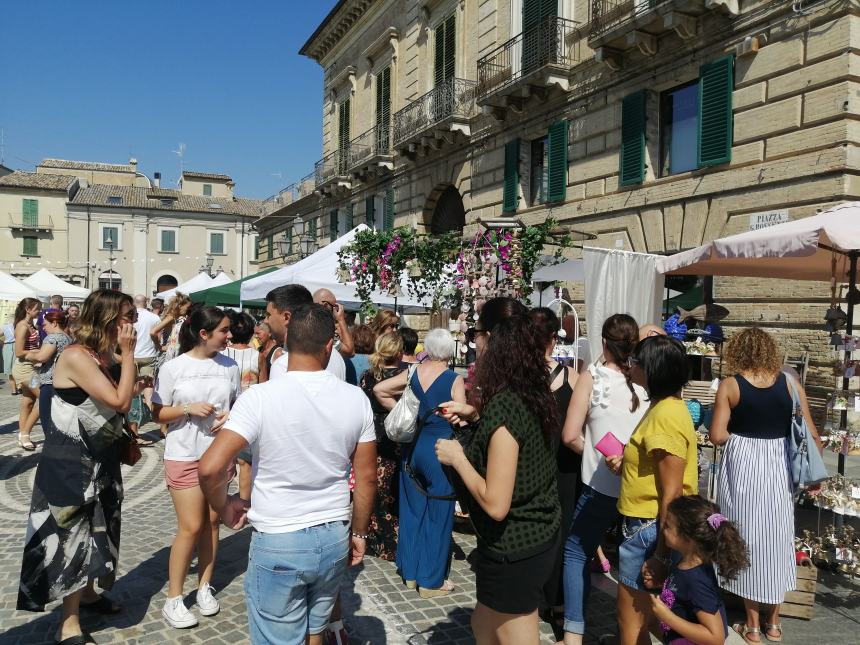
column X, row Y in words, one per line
column 45, row 282
column 803, row 249
column 319, row 270
column 11, row 288
column 197, row 283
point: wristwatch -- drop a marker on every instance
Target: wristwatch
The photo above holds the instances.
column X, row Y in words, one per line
column 186, row 411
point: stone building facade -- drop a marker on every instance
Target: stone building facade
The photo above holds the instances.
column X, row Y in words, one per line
column 653, row 125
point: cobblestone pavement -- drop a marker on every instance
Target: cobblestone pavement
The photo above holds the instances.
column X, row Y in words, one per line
column 378, row 609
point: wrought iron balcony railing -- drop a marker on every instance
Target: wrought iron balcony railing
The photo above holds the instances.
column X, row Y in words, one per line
column 376, row 142
column 333, row 165
column 606, row 15
column 554, row 41
column 453, row 98
column 292, row 193
column 28, row 222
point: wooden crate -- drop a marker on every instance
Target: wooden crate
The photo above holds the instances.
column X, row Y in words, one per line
column 799, row 603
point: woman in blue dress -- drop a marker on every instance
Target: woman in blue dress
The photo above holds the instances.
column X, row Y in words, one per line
column 424, row 541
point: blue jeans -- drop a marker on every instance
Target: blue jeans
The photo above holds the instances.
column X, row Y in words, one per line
column 640, row 541
column 293, row 580
column 594, row 514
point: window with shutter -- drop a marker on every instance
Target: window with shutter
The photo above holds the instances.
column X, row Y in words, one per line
column 312, row 228
column 332, row 225
column 30, row 213
column 557, row 158
column 369, row 215
column 168, row 240
column 537, row 45
column 343, row 136
column 716, row 82
column 383, row 110
column 388, row 210
column 511, row 187
column 31, row 246
column 207, row 190
column 270, row 246
column 216, row 243
column 345, row 216
column 444, row 59
column 632, row 157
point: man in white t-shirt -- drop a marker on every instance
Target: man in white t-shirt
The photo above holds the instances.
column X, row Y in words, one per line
column 145, row 349
column 280, row 303
column 304, row 430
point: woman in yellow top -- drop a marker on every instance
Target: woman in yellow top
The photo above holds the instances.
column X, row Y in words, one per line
column 659, row 464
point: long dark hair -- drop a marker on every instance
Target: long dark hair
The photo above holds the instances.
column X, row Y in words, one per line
column 546, row 324
column 23, row 306
column 722, row 546
column 621, row 333
column 200, row 319
column 514, row 360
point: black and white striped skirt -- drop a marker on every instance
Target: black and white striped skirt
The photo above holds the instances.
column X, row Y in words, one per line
column 755, row 492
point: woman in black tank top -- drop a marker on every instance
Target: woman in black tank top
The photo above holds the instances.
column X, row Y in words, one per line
column 562, row 379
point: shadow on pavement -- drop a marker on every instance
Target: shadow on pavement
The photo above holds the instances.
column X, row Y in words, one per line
column 11, row 466
column 454, row 629
column 363, row 629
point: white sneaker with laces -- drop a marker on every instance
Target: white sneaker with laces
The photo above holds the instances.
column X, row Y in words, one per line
column 206, row 601
column 177, row 615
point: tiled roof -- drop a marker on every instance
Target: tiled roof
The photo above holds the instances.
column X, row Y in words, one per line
column 85, row 165
column 206, row 175
column 151, row 198
column 21, row 179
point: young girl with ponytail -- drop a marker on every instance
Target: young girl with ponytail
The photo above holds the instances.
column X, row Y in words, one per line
column 193, row 394
column 690, row 608
column 605, row 404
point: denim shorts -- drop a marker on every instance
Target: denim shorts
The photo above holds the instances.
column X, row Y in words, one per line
column 640, row 541
column 293, row 580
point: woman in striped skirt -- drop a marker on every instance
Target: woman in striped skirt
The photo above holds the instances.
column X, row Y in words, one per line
column 752, row 417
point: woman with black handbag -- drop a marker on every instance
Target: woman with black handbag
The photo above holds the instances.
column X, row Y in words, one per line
column 78, row 491
column 509, row 468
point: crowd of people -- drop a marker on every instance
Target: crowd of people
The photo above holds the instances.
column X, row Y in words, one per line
column 545, row 459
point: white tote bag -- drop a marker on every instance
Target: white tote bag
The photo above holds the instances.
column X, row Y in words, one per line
column 401, row 422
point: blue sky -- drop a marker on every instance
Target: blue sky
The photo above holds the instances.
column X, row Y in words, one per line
column 106, row 80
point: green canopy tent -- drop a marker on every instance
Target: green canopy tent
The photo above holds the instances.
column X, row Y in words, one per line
column 227, row 295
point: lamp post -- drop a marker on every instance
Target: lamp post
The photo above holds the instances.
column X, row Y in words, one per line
column 109, row 243
column 307, row 245
column 284, row 246
column 207, row 268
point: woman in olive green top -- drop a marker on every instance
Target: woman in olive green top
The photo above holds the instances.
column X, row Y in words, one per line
column 509, row 470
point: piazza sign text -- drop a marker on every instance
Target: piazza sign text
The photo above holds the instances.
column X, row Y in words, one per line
column 767, row 218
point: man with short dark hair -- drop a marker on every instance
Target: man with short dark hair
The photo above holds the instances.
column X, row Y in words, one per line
column 304, row 430
column 410, row 343
column 156, row 306
column 280, row 303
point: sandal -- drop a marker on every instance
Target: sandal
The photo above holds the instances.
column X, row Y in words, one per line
column 743, row 630
column 446, row 588
column 776, row 627
column 140, row 441
column 27, row 444
column 103, row 605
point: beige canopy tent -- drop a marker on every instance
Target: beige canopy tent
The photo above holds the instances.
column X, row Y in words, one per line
column 820, row 247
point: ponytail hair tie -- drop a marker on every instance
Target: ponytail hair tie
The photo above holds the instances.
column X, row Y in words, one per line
column 715, row 520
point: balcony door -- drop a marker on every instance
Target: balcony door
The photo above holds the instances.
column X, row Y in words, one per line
column 342, row 138
column 539, row 33
column 383, row 111
column 444, row 57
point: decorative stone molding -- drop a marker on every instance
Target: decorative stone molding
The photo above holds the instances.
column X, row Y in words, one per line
column 346, row 74
column 379, row 47
column 334, row 28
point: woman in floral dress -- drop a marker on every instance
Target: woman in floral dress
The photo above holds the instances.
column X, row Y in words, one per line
column 384, row 363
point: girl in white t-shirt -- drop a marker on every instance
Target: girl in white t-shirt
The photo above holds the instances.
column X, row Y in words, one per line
column 193, row 394
column 604, row 410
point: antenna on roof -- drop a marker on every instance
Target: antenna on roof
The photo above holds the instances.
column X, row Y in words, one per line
column 181, row 154
column 2, row 144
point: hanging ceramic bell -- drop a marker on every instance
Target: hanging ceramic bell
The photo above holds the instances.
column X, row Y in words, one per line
column 394, row 290
column 414, row 269
column 343, row 275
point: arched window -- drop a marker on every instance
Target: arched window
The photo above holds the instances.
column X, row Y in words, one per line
column 110, row 280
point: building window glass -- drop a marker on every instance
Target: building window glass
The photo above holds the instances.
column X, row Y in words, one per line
column 167, row 239
column 207, row 190
column 110, row 280
column 255, row 249
column 31, row 246
column 679, row 124
column 539, row 171
column 115, row 200
column 110, row 238
column 216, row 243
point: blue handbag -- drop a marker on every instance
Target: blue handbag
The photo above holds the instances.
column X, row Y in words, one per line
column 807, row 466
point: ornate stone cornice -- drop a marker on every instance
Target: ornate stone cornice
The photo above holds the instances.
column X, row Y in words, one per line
column 335, row 26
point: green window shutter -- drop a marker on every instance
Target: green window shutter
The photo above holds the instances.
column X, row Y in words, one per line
column 557, row 156
column 368, row 211
column 350, row 209
column 168, row 241
column 388, row 210
column 535, row 11
column 207, row 190
column 444, row 55
column 383, row 110
column 30, row 212
column 216, row 243
column 450, row 46
column 716, row 82
column 511, row 187
column 632, row 162
column 332, row 225
column 270, row 245
column 31, row 246
column 312, row 228
column 439, row 55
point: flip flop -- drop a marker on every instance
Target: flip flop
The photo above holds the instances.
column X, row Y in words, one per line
column 103, row 605
column 742, row 630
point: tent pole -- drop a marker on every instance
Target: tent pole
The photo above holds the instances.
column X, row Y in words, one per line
column 849, row 331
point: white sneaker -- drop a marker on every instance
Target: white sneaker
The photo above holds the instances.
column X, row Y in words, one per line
column 177, row 615
column 206, row 602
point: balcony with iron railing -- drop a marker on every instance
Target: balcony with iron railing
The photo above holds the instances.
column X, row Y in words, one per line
column 618, row 25
column 295, row 192
column 530, row 62
column 28, row 222
column 331, row 173
column 437, row 117
column 370, row 153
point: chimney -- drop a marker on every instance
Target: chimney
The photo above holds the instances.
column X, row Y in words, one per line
column 133, row 163
column 157, row 180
